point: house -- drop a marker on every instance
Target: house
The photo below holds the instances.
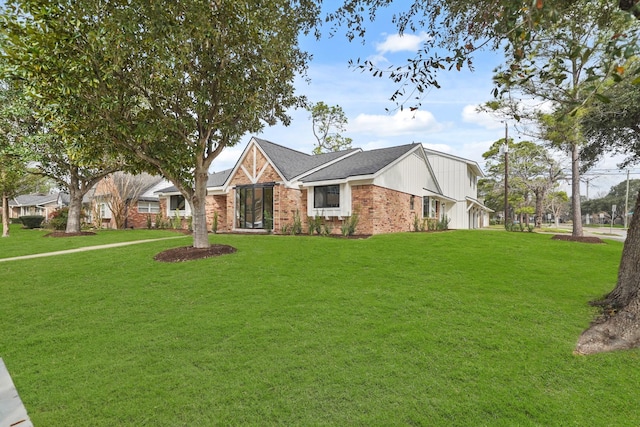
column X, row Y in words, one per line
column 272, row 187
column 458, row 179
column 36, row 204
column 129, row 201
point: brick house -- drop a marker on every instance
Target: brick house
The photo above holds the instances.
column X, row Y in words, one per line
column 136, row 192
column 272, row 186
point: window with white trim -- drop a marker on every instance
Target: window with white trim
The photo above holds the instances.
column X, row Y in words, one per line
column 177, row 202
column 148, row 207
column 326, row 196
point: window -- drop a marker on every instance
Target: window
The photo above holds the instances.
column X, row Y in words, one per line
column 105, row 212
column 327, row 196
column 177, row 203
column 429, row 207
column 254, row 206
column 412, row 202
column 148, row 207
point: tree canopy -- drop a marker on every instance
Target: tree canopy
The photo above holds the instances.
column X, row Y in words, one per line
column 168, row 85
column 327, row 124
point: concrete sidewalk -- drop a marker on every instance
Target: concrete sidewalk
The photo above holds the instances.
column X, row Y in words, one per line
column 88, row 248
column 12, row 411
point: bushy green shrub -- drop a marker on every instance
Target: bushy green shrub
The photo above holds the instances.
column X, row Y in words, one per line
column 349, row 226
column 58, row 220
column 32, row 221
column 15, row 221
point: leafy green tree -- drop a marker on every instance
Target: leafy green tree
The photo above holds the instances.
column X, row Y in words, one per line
column 327, row 124
column 611, row 123
column 459, row 29
column 533, row 172
column 16, row 122
column 566, row 62
column 171, row 83
column 617, row 195
column 558, row 203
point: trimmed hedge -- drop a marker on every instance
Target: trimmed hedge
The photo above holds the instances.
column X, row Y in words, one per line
column 32, row 221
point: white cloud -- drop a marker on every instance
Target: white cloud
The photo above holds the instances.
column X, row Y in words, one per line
column 443, row 148
column 399, row 43
column 470, row 114
column 402, row 123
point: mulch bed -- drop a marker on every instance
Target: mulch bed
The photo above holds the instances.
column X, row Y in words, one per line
column 583, row 239
column 63, row 234
column 188, row 253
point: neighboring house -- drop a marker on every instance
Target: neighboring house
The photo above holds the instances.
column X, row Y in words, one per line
column 458, row 179
column 387, row 188
column 36, row 204
column 145, row 204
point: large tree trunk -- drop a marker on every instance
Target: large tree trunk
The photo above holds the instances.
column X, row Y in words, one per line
column 539, row 199
column 75, row 205
column 619, row 326
column 5, row 215
column 575, row 191
column 198, row 211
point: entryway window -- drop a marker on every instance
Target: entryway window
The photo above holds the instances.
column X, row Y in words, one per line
column 254, row 206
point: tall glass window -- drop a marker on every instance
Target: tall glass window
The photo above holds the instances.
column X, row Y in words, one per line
column 254, row 206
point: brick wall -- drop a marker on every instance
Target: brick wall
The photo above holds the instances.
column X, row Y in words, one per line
column 382, row 210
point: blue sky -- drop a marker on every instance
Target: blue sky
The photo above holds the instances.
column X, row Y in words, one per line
column 446, row 120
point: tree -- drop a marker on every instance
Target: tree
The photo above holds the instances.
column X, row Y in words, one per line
column 617, row 195
column 16, row 122
column 532, row 174
column 327, row 124
column 122, row 190
column 459, row 29
column 558, row 203
column 172, row 83
column 565, row 63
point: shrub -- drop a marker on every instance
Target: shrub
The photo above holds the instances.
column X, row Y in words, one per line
column 297, row 223
column 443, row 224
column 268, row 222
column 349, row 226
column 315, row 224
column 58, row 219
column 149, row 223
column 32, row 221
column 214, row 225
column 176, row 221
column 15, row 220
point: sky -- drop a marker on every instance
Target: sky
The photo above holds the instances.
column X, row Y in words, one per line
column 446, row 121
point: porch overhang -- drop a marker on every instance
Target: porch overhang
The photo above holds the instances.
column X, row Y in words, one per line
column 471, row 203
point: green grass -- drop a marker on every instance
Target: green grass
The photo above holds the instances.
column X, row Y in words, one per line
column 458, row 328
column 31, row 241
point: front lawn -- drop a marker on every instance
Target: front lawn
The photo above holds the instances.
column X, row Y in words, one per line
column 456, row 328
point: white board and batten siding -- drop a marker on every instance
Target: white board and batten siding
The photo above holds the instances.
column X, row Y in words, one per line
column 410, row 175
column 458, row 180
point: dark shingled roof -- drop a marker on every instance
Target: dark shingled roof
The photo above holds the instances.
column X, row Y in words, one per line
column 215, row 179
column 292, row 163
column 363, row 163
column 33, row 199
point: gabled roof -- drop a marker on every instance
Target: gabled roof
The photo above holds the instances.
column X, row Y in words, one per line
column 292, row 163
column 472, row 164
column 37, row 199
column 216, row 179
column 363, row 163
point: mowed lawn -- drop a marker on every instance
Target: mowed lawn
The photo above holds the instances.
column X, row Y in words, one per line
column 462, row 328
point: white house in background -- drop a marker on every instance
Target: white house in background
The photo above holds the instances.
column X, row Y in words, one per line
column 458, row 179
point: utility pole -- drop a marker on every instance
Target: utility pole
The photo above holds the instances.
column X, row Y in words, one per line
column 506, row 175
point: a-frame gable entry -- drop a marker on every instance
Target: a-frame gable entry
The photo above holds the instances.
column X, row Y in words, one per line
column 252, row 165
